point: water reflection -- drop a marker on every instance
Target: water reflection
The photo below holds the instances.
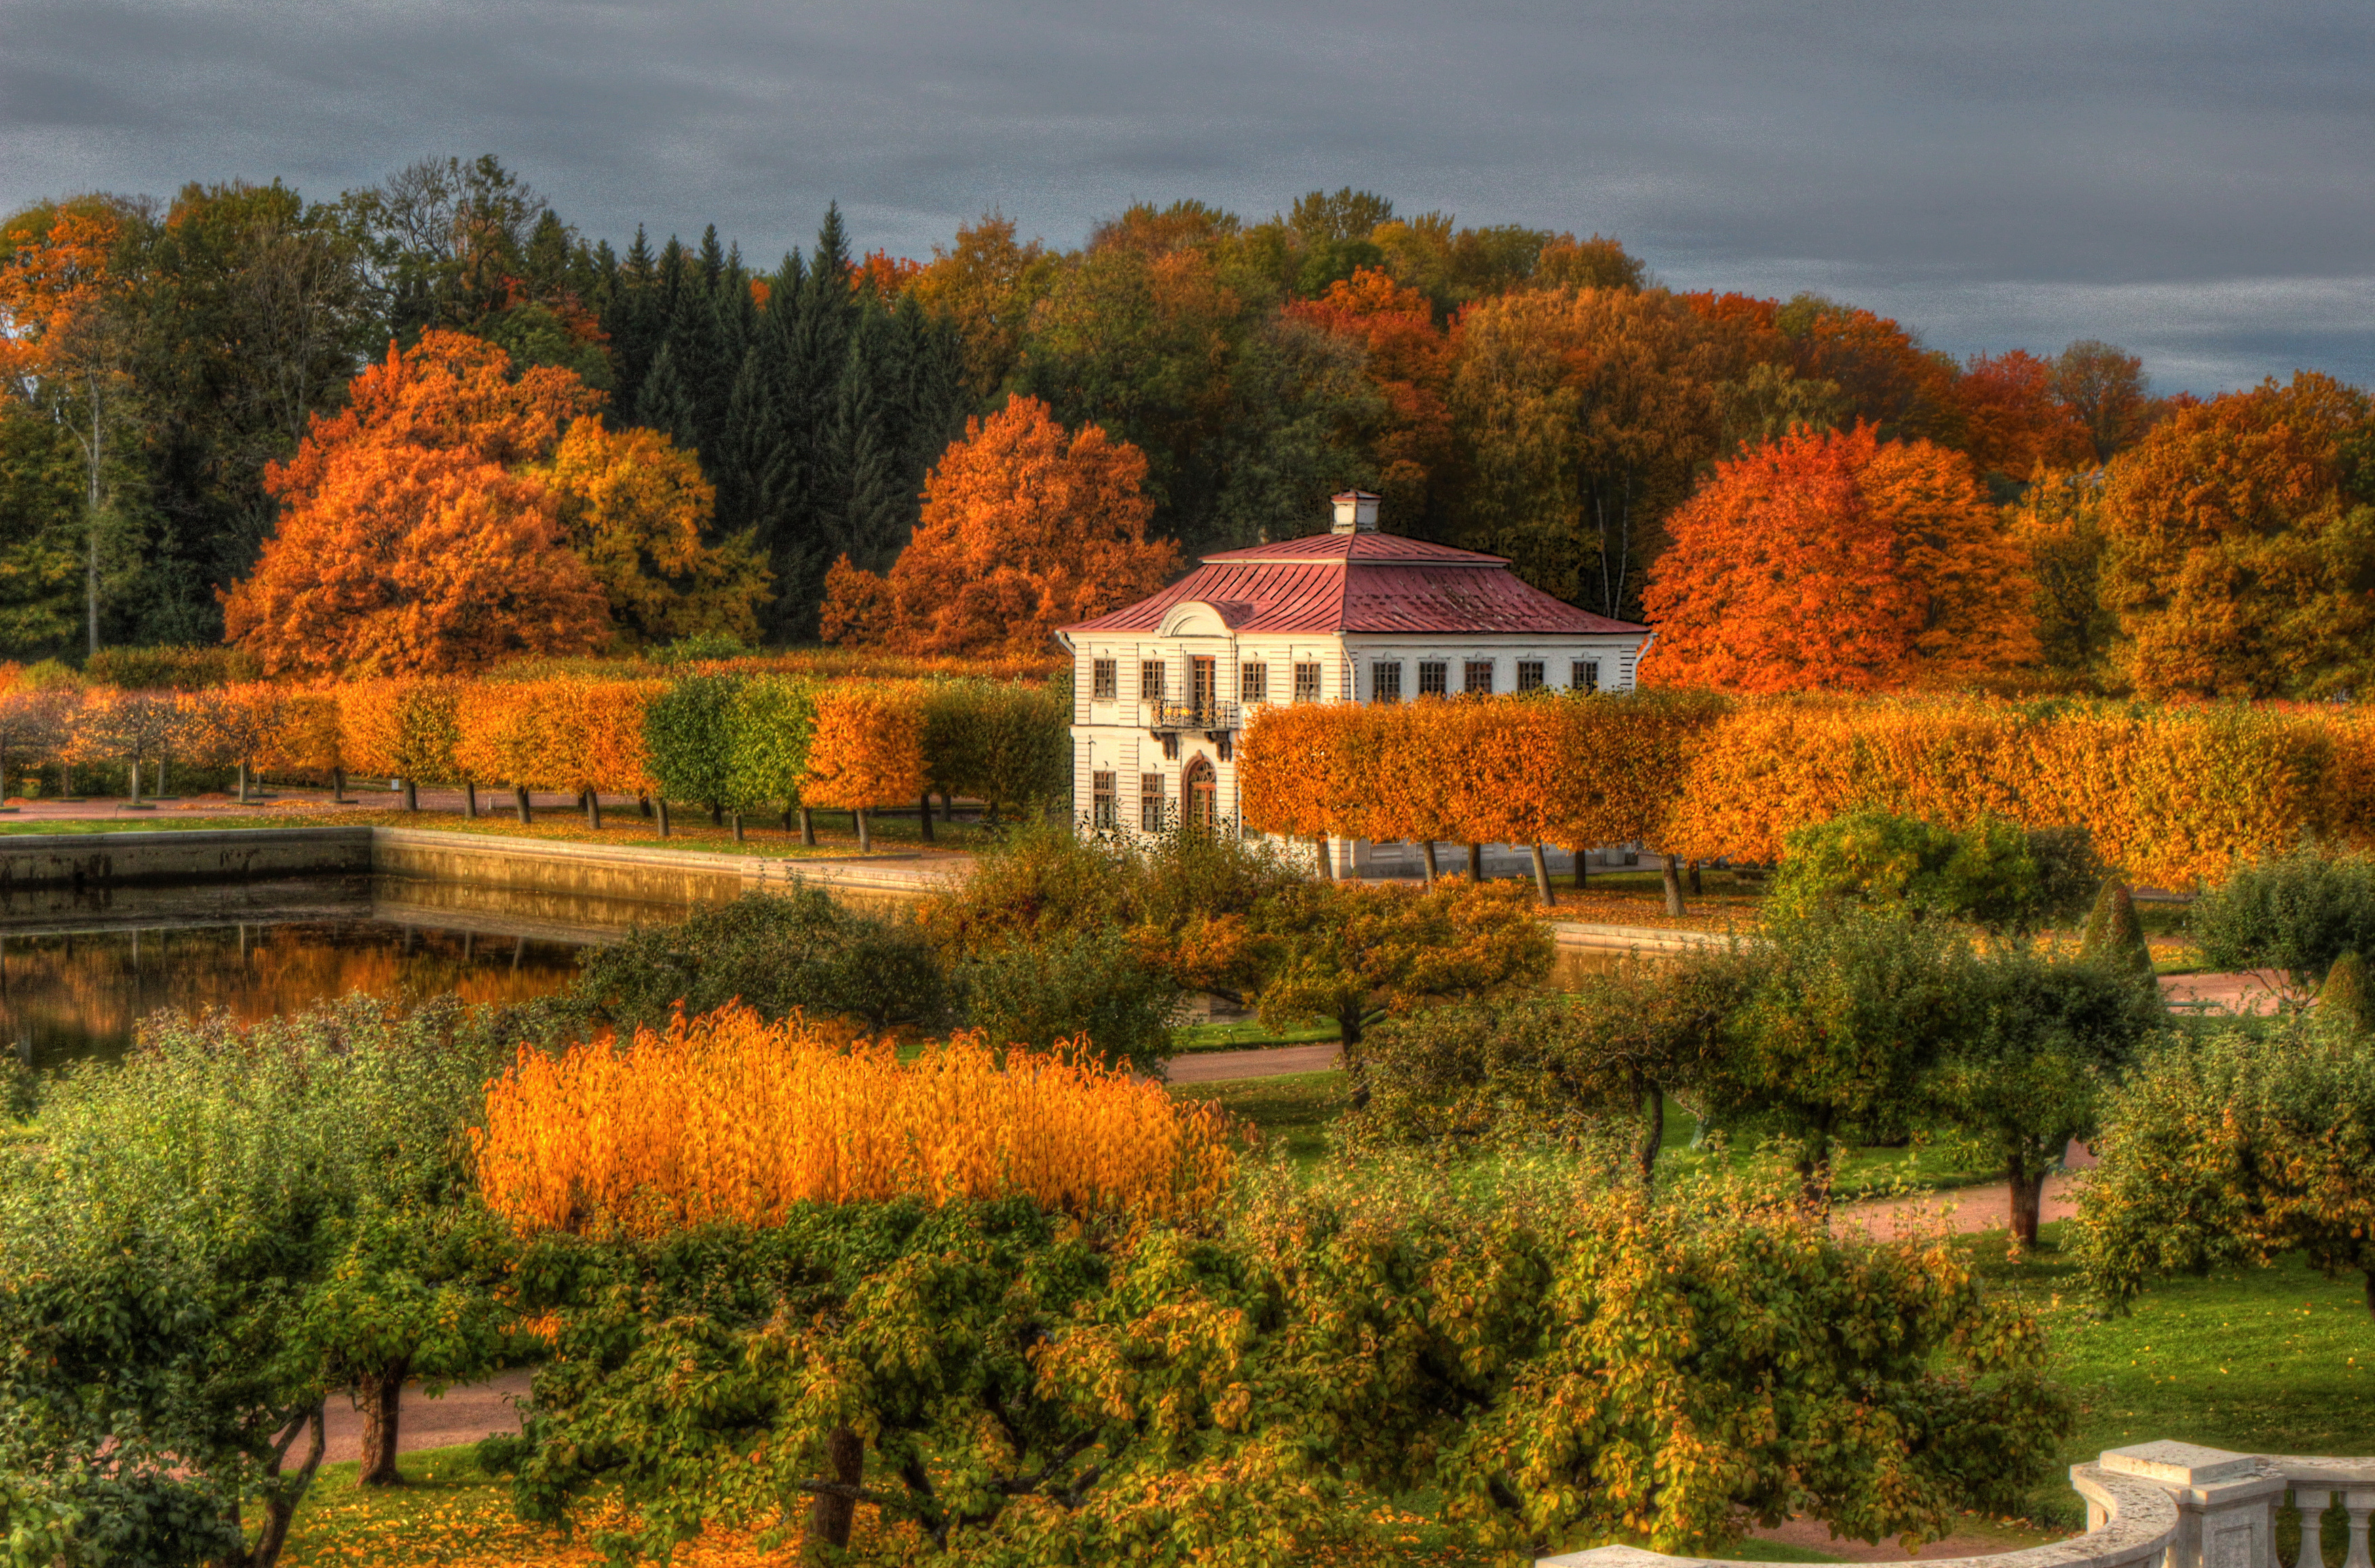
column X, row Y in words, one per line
column 67, row 994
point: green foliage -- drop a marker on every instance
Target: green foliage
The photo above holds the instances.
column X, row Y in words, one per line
column 768, row 728
column 2027, row 1074
column 1002, row 743
column 2297, row 912
column 700, row 648
column 2114, row 935
column 2232, row 1147
column 2343, row 997
column 41, row 530
column 1592, row 1068
column 1849, row 1013
column 1991, row 872
column 775, row 952
column 209, row 1239
column 1029, row 1392
column 177, row 669
column 688, row 734
column 1059, row 987
column 1345, row 951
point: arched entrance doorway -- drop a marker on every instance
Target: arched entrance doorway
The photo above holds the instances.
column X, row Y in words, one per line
column 1202, row 793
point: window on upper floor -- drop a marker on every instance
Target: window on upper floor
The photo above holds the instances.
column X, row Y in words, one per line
column 1585, row 675
column 1432, row 677
column 1530, row 675
column 1104, row 680
column 1150, row 680
column 1253, row 683
column 1386, row 681
column 1479, row 676
column 1307, row 683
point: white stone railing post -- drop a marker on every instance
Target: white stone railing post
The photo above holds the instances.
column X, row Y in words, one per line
column 2359, row 1505
column 2225, row 1505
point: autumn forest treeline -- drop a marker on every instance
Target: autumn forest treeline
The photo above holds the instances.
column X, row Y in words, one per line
column 429, row 424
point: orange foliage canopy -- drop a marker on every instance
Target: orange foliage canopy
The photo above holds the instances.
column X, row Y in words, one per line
column 1830, row 560
column 1024, row 529
column 2241, row 547
column 868, row 748
column 2013, row 423
column 727, row 1118
column 406, row 544
column 53, row 284
column 1410, row 358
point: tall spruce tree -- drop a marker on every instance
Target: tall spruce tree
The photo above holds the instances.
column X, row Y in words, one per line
column 665, row 406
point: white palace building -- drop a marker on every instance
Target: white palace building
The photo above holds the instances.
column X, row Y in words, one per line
column 1162, row 689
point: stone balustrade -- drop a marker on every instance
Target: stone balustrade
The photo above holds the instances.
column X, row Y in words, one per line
column 2154, row 1505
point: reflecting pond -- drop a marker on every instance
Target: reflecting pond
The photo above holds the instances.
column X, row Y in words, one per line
column 77, row 975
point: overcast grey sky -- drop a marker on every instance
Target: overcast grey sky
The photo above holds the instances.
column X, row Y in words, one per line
column 2189, row 180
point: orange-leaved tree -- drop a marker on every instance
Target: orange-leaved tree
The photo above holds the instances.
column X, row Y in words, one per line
column 2241, row 544
column 1831, row 559
column 637, row 511
column 1409, row 357
column 867, row 750
column 1025, row 529
column 408, row 543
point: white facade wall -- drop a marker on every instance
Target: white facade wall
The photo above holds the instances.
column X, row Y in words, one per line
column 1112, row 734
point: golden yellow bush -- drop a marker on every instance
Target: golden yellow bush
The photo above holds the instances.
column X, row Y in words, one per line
column 728, row 1117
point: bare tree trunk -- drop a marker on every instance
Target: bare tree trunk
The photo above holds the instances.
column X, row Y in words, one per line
column 663, row 822
column 1542, row 878
column 948, row 807
column 91, row 578
column 594, row 809
column 282, row 1508
column 1475, row 862
column 738, row 827
column 924, row 816
column 2027, row 1194
column 1426, row 858
column 411, row 796
column 644, row 805
column 243, row 781
column 1581, row 874
column 520, row 799
column 1327, row 861
column 717, row 815
column 1696, row 889
column 469, row 801
column 337, row 787
column 864, row 831
column 807, row 828
column 830, row 1515
column 1672, row 867
column 382, row 1400
column 1652, row 1100
column 135, row 782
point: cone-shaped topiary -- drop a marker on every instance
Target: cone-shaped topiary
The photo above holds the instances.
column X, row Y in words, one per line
column 2114, row 932
column 2343, row 994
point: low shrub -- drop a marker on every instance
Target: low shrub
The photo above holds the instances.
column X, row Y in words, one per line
column 2297, row 911
column 1089, row 986
column 775, row 953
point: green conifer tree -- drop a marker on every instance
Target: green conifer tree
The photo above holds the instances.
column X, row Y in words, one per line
column 2113, row 931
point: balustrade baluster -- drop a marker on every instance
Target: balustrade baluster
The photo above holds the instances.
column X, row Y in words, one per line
column 2359, row 1505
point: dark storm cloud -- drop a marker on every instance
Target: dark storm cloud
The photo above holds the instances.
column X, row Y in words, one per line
column 2189, row 179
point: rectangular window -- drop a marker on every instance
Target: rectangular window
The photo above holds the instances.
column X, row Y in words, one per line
column 1585, row 675
column 1530, row 675
column 1150, row 803
column 1386, row 681
column 1102, row 810
column 1105, row 681
column 1150, row 680
column 1307, row 683
column 1253, row 683
column 1479, row 676
column 1432, row 677
column 1171, row 746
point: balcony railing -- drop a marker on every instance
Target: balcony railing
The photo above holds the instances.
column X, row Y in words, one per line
column 1161, row 716
column 2154, row 1505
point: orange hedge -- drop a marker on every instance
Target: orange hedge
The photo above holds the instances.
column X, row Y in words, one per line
column 2171, row 795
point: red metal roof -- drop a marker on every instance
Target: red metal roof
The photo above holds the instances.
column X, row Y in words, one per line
column 1374, row 583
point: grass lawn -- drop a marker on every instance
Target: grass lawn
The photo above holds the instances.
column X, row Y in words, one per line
column 1250, row 1036
column 2269, row 1360
column 1290, row 1112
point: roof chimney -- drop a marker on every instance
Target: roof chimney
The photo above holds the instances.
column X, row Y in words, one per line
column 1356, row 513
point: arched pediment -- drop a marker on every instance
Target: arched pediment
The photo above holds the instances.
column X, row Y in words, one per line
column 1195, row 618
